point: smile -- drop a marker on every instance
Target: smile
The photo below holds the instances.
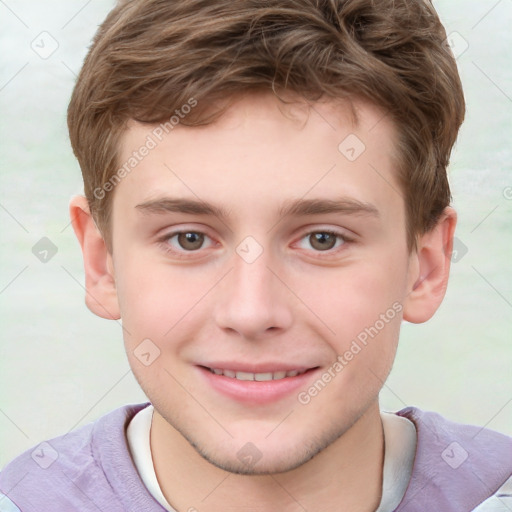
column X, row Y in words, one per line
column 256, row 384
column 264, row 376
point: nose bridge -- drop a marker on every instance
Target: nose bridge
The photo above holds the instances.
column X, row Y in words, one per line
column 253, row 280
column 252, row 301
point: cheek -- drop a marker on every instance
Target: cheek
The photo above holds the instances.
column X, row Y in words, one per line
column 145, row 298
column 351, row 299
column 157, row 300
column 362, row 307
column 367, row 327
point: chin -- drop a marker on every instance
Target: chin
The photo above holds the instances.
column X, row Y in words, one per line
column 257, row 463
column 266, row 458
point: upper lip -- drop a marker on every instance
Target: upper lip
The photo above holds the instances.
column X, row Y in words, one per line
column 256, row 368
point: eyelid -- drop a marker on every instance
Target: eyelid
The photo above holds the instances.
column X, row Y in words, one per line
column 171, row 231
column 163, row 240
column 338, row 233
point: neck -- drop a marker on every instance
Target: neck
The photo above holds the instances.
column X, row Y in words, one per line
column 349, row 471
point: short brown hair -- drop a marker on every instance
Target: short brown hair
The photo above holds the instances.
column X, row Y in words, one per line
column 150, row 57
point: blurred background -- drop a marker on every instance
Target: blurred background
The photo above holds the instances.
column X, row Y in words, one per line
column 61, row 367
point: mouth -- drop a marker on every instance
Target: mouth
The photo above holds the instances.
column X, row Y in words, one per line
column 260, row 377
column 257, row 385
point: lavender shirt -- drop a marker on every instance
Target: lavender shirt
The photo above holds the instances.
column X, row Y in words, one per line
column 457, row 467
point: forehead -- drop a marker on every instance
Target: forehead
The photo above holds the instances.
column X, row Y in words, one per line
column 262, row 153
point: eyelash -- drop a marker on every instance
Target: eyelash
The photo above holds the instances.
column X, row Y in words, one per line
column 183, row 253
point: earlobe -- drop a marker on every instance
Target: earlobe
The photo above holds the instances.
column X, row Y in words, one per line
column 430, row 269
column 101, row 294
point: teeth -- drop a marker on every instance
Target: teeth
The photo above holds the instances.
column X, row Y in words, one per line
column 256, row 376
column 263, row 376
column 244, row 376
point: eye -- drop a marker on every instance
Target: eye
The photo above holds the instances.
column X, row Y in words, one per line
column 188, row 241
column 323, row 240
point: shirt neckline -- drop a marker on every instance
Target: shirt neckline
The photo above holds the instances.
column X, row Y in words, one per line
column 400, row 441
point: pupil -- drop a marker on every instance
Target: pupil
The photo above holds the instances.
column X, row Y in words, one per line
column 323, row 241
column 190, row 240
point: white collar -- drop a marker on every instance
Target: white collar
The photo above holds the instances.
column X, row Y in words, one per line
column 399, row 452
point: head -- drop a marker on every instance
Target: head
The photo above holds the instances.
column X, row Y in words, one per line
column 303, row 147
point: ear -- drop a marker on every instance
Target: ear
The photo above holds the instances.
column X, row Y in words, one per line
column 429, row 269
column 101, row 294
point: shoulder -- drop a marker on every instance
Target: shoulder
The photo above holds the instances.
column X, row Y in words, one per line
column 456, row 467
column 499, row 502
column 80, row 470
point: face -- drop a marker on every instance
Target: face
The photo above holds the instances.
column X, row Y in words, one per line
column 260, row 266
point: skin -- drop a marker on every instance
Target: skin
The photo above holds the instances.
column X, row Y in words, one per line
column 299, row 304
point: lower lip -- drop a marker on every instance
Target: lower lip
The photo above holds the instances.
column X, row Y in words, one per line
column 256, row 392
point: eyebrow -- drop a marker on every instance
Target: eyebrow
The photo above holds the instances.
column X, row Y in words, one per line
column 318, row 206
column 297, row 207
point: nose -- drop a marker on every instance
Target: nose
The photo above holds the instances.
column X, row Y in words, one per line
column 252, row 301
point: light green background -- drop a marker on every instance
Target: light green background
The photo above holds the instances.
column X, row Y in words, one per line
column 62, row 367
